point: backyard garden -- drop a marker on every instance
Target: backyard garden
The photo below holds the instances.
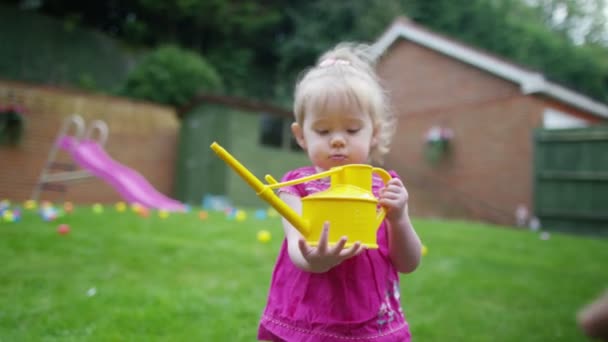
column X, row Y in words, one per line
column 119, row 273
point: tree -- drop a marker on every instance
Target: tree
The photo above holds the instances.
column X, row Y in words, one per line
column 259, row 47
column 172, row 76
column 315, row 26
column 583, row 21
column 515, row 30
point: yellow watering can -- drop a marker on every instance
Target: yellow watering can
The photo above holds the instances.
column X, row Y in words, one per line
column 348, row 204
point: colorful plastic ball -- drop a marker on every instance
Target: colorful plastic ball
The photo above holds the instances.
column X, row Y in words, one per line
column 30, row 204
column 264, row 236
column 63, row 229
column 203, row 215
column 240, row 215
column 68, row 207
column 143, row 212
column 230, row 213
column 135, row 207
column 163, row 214
column 49, row 213
column 260, row 214
column 424, row 250
column 97, row 208
column 120, row 207
column 8, row 216
column 16, row 215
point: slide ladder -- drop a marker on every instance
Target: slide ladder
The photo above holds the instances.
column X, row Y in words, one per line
column 91, row 157
column 56, row 174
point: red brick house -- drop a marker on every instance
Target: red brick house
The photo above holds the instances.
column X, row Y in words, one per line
column 490, row 107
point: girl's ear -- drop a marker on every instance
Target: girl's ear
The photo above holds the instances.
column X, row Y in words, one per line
column 296, row 129
column 375, row 135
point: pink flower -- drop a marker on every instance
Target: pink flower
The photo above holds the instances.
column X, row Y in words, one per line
column 446, row 134
column 7, row 109
column 438, row 133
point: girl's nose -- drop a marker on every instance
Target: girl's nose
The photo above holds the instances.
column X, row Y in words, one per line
column 337, row 140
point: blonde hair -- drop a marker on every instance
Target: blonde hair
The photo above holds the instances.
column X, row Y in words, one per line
column 347, row 73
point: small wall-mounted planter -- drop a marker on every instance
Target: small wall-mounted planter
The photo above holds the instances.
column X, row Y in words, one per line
column 437, row 146
column 435, row 151
column 11, row 125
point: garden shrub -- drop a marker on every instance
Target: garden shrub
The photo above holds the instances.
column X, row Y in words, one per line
column 171, row 76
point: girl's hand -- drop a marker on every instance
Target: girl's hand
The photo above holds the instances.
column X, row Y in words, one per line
column 394, row 199
column 323, row 257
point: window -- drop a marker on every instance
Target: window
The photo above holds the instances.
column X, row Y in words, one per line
column 276, row 132
column 271, row 131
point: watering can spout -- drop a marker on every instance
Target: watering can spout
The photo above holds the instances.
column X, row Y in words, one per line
column 264, row 191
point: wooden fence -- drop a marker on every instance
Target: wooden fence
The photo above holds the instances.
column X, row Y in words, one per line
column 571, row 179
column 142, row 136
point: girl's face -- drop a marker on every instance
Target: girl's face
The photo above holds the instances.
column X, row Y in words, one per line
column 335, row 136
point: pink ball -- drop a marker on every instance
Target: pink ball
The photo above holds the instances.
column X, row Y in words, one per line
column 63, row 229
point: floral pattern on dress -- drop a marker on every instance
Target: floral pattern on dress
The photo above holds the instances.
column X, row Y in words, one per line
column 387, row 313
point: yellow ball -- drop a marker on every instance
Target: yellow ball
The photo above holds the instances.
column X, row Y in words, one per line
column 120, row 207
column 264, row 236
column 30, row 204
column 8, row 216
column 424, row 250
column 136, row 207
column 240, row 215
column 163, row 214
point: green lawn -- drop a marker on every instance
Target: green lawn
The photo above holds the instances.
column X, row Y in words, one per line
column 121, row 277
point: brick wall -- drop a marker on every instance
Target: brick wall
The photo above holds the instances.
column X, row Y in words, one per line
column 142, row 136
column 489, row 170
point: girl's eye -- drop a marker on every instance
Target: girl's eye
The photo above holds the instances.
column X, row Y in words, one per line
column 322, row 131
column 352, row 131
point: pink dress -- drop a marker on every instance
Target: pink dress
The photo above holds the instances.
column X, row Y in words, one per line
column 357, row 300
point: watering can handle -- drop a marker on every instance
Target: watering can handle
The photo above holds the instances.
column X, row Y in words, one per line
column 273, row 184
column 386, row 177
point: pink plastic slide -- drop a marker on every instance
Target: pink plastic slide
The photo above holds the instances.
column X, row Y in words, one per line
column 131, row 185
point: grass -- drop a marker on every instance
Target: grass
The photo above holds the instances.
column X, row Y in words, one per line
column 184, row 279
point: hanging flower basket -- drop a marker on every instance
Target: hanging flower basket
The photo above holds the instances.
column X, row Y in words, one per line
column 437, row 145
column 11, row 124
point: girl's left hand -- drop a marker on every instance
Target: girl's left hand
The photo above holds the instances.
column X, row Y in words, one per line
column 394, row 199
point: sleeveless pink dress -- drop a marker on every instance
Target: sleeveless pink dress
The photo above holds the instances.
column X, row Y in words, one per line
column 357, row 300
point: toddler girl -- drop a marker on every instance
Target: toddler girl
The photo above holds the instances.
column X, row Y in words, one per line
column 332, row 292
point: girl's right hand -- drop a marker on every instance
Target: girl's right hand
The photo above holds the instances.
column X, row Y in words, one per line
column 323, row 257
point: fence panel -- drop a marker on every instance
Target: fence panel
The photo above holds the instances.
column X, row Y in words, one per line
column 571, row 179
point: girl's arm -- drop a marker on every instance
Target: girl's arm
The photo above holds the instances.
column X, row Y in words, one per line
column 313, row 259
column 292, row 234
column 593, row 318
column 404, row 244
